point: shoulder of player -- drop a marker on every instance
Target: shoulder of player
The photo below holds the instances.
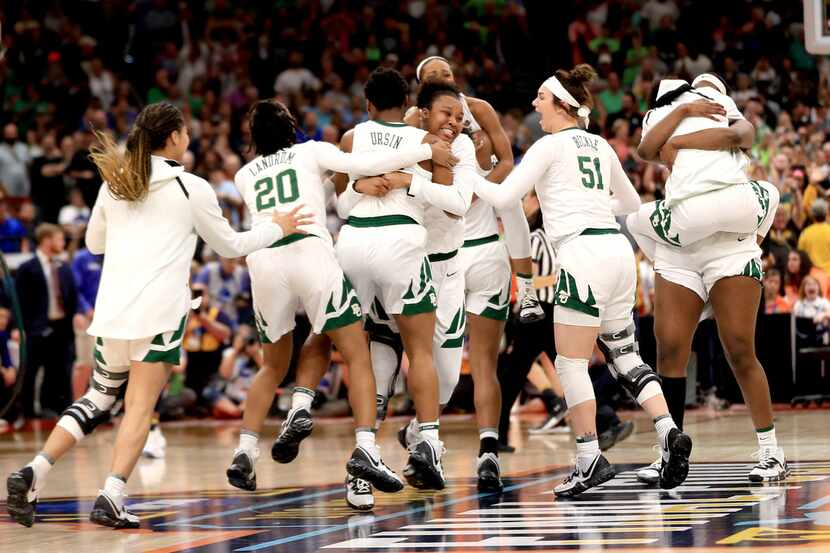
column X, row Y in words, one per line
column 347, row 140
column 464, row 144
column 196, row 186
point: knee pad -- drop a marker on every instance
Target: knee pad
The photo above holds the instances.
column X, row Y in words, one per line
column 91, row 409
column 448, row 366
column 623, row 355
column 386, row 362
column 573, row 373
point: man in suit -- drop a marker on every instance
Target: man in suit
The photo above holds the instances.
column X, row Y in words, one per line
column 49, row 301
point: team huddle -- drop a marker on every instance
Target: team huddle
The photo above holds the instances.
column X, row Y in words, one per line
column 419, row 264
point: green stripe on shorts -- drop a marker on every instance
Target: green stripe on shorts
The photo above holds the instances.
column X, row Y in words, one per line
column 381, row 221
column 480, row 241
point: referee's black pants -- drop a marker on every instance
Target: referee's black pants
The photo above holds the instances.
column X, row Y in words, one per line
column 529, row 341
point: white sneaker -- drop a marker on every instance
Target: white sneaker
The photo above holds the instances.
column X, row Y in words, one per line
column 155, row 445
column 530, row 310
column 598, row 472
column 651, row 474
column 366, row 464
column 359, row 494
column 771, row 466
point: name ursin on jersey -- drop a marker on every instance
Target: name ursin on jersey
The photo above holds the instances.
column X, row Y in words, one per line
column 389, row 139
column 585, row 142
column 266, row 162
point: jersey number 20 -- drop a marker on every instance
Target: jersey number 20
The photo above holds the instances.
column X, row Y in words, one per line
column 589, row 180
column 287, row 190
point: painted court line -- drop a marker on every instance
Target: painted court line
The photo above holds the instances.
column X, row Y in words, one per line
column 340, row 527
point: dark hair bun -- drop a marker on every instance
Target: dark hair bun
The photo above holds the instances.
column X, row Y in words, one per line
column 582, row 74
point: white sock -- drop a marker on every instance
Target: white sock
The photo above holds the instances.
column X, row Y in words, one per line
column 524, row 284
column 766, row 437
column 586, row 452
column 302, row 398
column 41, row 465
column 114, row 486
column 365, row 438
column 429, row 430
column 663, row 424
column 249, row 442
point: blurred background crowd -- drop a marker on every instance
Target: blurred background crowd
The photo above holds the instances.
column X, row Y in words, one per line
column 72, row 66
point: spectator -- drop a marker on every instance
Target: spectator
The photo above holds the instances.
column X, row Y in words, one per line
column 49, row 303
column 295, row 78
column 612, row 97
column 811, row 304
column 815, row 239
column 782, row 238
column 74, row 216
column 240, row 363
column 81, row 171
column 101, row 82
column 14, row 163
column 655, row 10
column 207, row 332
column 774, row 300
column 12, row 232
column 48, row 192
column 224, row 281
column 8, row 372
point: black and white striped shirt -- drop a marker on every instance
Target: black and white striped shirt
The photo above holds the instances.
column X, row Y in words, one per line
column 541, row 253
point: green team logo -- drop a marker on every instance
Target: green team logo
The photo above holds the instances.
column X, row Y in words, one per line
column 567, row 295
column 762, row 195
column 661, row 223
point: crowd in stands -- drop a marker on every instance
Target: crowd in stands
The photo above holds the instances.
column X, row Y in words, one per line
column 63, row 73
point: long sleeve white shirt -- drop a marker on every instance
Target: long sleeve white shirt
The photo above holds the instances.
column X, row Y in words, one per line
column 148, row 247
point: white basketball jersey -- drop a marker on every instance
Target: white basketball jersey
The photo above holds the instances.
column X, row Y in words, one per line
column 372, row 136
column 575, row 191
column 282, row 181
column 480, row 221
column 700, row 171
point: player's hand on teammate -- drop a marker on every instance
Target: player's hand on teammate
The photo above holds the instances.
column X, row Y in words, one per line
column 442, row 154
column 398, row 179
column 291, row 221
column 704, row 108
column 372, row 186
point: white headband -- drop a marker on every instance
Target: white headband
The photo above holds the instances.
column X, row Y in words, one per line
column 424, row 62
column 712, row 79
column 667, row 85
column 560, row 92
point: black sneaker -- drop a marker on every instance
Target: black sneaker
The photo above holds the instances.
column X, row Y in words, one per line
column 366, row 466
column 675, row 468
column 241, row 473
column 506, row 448
column 107, row 513
column 598, row 473
column 424, row 471
column 615, row 435
column 555, row 422
column 489, row 473
column 22, row 498
column 296, row 427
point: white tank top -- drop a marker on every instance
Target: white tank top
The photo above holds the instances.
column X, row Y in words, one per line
column 376, row 136
column 480, row 220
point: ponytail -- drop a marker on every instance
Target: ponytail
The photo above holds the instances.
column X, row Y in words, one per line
column 127, row 174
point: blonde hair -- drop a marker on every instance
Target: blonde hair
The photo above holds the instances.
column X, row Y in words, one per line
column 802, row 290
column 128, row 174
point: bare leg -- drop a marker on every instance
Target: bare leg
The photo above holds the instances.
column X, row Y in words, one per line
column 276, row 358
column 416, row 333
column 351, row 342
column 735, row 301
column 146, row 383
column 314, row 361
column 485, row 335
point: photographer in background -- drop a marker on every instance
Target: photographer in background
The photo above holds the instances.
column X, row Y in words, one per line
column 228, row 391
column 207, row 333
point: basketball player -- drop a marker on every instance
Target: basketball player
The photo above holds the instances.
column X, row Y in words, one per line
column 146, row 220
column 581, row 186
